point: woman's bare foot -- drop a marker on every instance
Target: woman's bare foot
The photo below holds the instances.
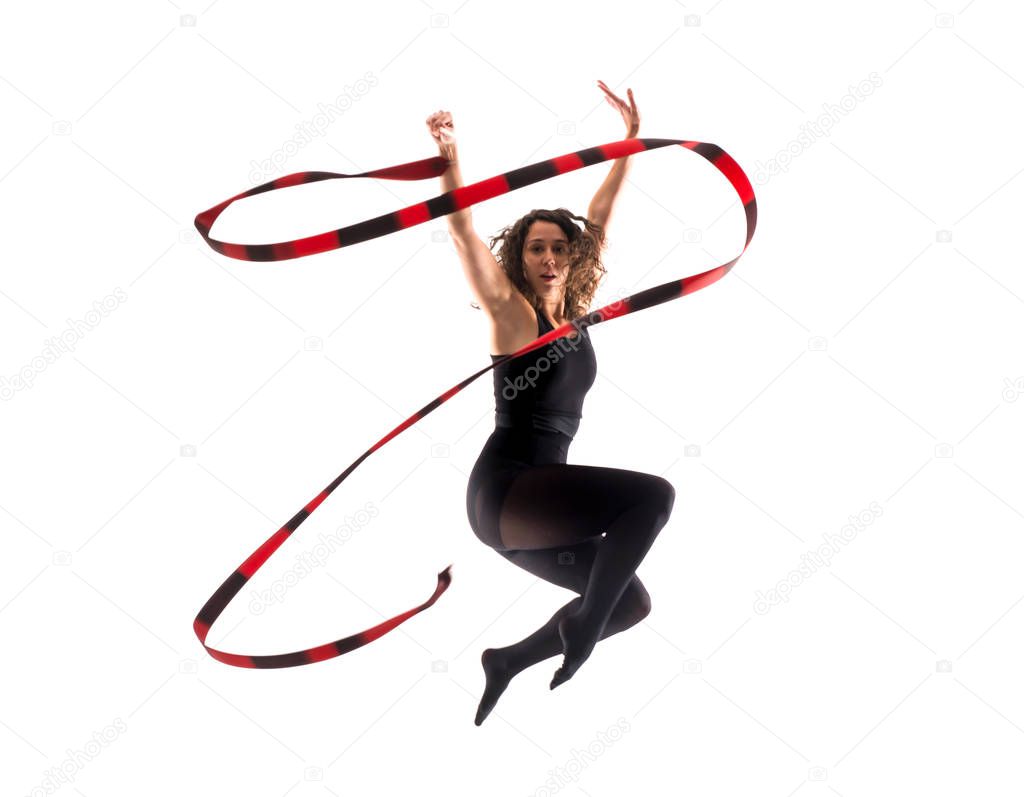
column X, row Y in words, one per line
column 498, row 676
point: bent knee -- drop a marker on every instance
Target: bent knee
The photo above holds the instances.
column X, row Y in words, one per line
column 636, row 601
column 660, row 495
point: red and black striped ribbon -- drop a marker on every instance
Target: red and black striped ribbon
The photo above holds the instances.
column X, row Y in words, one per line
column 402, row 219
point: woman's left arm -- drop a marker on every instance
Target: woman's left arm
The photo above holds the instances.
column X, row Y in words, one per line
column 600, row 208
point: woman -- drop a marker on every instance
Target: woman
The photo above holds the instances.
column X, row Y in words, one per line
column 583, row 527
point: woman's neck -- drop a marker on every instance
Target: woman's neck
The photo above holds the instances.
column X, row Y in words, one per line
column 553, row 310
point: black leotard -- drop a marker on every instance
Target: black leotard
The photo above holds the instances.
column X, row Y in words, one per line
column 538, row 401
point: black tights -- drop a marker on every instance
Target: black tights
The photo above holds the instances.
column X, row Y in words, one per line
column 550, row 523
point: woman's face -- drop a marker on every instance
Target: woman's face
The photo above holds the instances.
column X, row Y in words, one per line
column 546, row 251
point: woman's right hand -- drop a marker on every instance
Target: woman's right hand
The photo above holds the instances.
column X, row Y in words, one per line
column 442, row 130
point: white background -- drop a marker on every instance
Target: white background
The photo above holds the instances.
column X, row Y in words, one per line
column 862, row 359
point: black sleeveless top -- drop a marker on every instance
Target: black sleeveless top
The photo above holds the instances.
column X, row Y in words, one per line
column 544, row 389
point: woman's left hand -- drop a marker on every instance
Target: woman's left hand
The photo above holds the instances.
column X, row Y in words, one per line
column 630, row 114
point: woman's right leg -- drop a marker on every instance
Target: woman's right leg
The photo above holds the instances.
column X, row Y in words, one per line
column 569, row 567
column 546, row 506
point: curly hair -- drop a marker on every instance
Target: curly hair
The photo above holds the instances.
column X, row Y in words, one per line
column 585, row 266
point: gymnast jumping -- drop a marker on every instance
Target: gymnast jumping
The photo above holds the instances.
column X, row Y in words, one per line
column 582, row 527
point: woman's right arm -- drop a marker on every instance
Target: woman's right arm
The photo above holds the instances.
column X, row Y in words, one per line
column 460, row 223
column 491, row 287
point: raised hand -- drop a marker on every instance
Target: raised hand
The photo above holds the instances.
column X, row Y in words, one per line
column 629, row 112
column 442, row 129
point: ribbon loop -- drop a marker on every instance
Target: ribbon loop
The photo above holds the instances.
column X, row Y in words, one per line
column 410, row 216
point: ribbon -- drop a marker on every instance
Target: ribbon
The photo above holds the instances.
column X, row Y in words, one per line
column 410, row 216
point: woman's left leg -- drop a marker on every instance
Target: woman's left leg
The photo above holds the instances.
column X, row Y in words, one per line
column 553, row 505
column 569, row 567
